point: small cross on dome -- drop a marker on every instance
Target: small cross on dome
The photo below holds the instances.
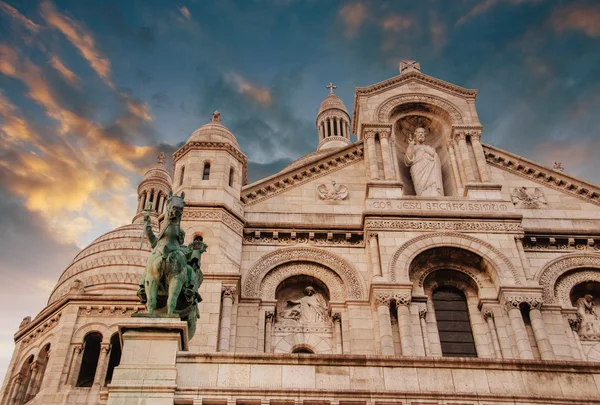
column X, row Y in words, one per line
column 216, row 116
column 161, row 158
column 407, row 66
column 330, row 86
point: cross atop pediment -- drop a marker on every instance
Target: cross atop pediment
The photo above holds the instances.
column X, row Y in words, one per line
column 407, row 66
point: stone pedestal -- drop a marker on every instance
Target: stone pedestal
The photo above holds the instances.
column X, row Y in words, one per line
column 483, row 191
column 147, row 372
column 384, row 189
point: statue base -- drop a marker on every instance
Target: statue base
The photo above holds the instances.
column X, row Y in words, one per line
column 384, row 189
column 147, row 371
column 483, row 191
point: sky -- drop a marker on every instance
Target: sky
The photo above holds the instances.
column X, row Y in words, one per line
column 92, row 91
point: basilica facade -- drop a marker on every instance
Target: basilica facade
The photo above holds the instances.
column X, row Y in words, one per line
column 415, row 265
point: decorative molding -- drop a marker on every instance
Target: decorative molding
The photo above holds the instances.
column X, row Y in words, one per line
column 411, row 248
column 334, row 139
column 383, row 111
column 273, row 278
column 337, row 317
column 42, row 328
column 548, row 275
column 402, row 299
column 109, row 310
column 229, row 291
column 235, row 152
column 269, row 316
column 260, row 191
column 548, row 177
column 552, row 244
column 422, row 274
column 515, row 301
column 432, row 225
column 203, row 214
column 102, row 278
column 333, row 191
column 460, row 131
column 383, row 299
column 279, row 328
column 487, row 314
column 525, row 197
column 289, row 238
column 562, row 290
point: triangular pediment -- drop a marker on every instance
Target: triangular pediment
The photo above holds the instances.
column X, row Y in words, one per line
column 541, row 174
column 301, row 172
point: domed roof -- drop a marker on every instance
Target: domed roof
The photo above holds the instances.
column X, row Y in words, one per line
column 214, row 131
column 158, row 172
column 112, row 264
column 330, row 102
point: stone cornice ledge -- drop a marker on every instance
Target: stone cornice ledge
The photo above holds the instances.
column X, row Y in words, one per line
column 542, row 175
column 388, row 361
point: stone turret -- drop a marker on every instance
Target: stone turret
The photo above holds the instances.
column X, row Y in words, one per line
column 333, row 122
column 153, row 192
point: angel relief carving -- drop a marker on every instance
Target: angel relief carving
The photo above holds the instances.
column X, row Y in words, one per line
column 523, row 197
column 332, row 192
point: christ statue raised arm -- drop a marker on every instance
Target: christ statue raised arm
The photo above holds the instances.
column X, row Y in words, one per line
column 425, row 166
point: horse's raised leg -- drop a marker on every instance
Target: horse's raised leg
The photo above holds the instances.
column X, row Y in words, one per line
column 151, row 293
column 175, row 286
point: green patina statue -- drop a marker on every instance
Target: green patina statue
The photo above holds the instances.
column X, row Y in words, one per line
column 169, row 285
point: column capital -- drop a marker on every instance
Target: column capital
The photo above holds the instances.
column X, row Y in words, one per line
column 574, row 323
column 369, row 133
column 373, row 235
column 229, row 291
column 383, row 298
column 515, row 301
column 422, row 313
column 105, row 348
column 385, row 132
column 487, row 314
column 78, row 348
column 337, row 317
column 402, row 299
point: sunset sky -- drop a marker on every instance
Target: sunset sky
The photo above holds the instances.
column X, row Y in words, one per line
column 92, row 91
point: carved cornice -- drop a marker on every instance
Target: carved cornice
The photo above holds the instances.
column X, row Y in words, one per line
column 203, row 214
column 542, row 175
column 335, row 139
column 279, row 183
column 290, row 238
column 109, row 310
column 432, row 225
column 235, row 152
column 514, row 301
column 41, row 329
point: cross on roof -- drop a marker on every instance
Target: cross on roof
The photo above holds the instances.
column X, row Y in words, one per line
column 161, row 158
column 330, row 86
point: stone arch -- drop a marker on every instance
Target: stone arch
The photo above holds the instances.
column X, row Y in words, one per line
column 501, row 269
column 334, row 283
column 443, row 106
column 548, row 275
column 315, row 343
column 88, row 328
column 253, row 279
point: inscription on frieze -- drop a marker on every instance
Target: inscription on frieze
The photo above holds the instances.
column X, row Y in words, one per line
column 450, row 206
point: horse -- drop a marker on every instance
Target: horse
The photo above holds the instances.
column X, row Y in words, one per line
column 166, row 269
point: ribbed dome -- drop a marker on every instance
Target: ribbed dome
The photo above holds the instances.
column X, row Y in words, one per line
column 332, row 101
column 112, row 264
column 214, row 131
column 158, row 173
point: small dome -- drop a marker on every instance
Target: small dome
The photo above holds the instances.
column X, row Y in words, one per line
column 214, row 131
column 332, row 101
column 112, row 264
column 158, row 172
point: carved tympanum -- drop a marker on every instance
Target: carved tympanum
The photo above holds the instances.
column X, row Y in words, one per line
column 528, row 198
column 589, row 321
column 307, row 310
column 332, row 192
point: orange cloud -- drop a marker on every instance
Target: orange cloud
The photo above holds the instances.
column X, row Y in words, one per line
column 577, row 17
column 65, row 72
column 396, row 23
column 485, row 5
column 185, row 12
column 17, row 16
column 353, row 15
column 258, row 94
column 79, row 38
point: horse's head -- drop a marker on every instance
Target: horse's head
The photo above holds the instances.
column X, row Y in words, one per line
column 175, row 205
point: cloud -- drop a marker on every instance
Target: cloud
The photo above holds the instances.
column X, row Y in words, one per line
column 185, row 12
column 483, row 6
column 353, row 15
column 17, row 16
column 64, row 71
column 437, row 30
column 256, row 93
column 577, row 17
column 396, row 23
column 79, row 38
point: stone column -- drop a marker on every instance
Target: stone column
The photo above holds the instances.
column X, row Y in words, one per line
column 578, row 353
column 321, row 131
column 30, row 389
column 269, row 315
column 488, row 316
column 455, row 171
column 464, row 155
column 482, row 167
column 102, row 368
column 539, row 331
column 337, row 330
column 386, row 154
column 76, row 363
column 522, row 258
column 228, row 294
column 518, row 326
column 140, row 205
column 374, row 251
column 422, row 316
column 372, row 153
column 344, row 129
column 386, row 339
column 16, row 389
column 338, row 127
column 404, row 324
column 154, row 200
column 160, row 202
column 434, row 335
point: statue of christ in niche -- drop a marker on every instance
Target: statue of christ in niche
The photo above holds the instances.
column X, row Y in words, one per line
column 425, row 166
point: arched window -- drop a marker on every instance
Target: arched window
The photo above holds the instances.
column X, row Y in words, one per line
column 21, row 382
column 115, row 357
column 454, row 326
column 198, row 238
column 89, row 362
column 181, row 175
column 231, row 171
column 303, row 350
column 206, row 172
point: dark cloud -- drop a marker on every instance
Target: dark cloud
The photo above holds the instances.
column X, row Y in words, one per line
column 258, row 171
column 143, row 76
column 161, row 100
